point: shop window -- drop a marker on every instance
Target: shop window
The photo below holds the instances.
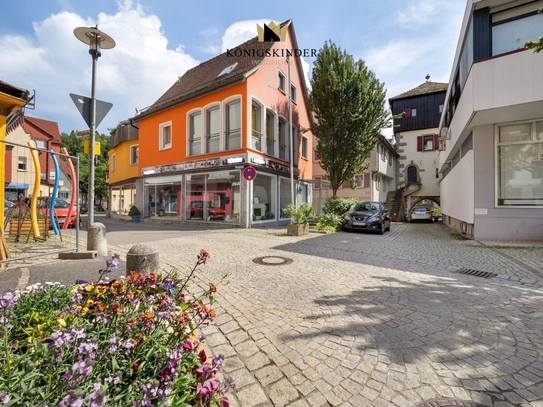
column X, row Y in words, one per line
column 212, row 129
column 162, row 196
column 285, row 195
column 264, row 197
column 270, row 132
column 195, row 133
column 233, row 125
column 165, row 136
column 21, row 164
column 256, row 127
column 134, row 154
column 213, row 197
column 520, row 164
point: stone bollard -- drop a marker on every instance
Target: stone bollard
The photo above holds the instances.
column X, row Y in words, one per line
column 96, row 238
column 142, row 258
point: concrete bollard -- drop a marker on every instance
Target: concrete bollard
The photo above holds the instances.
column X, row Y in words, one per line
column 96, row 238
column 142, row 258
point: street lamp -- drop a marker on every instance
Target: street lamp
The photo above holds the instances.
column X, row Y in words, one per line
column 96, row 40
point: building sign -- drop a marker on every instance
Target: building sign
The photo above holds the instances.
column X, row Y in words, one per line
column 161, row 169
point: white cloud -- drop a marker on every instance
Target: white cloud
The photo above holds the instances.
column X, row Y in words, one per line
column 55, row 63
column 240, row 32
column 416, row 12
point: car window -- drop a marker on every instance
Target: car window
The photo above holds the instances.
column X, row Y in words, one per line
column 421, row 209
column 367, row 206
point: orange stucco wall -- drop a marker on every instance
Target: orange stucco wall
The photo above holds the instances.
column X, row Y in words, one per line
column 123, row 169
column 149, row 128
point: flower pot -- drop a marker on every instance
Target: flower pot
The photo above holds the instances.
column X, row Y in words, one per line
column 298, row 229
column 136, row 218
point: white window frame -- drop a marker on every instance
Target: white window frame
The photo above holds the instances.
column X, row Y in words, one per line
column 281, row 81
column 22, row 163
column 270, row 132
column 413, row 112
column 40, row 143
column 134, row 154
column 256, row 128
column 226, row 107
column 164, row 144
column 428, row 136
column 304, row 147
column 207, row 124
column 293, row 93
column 190, row 139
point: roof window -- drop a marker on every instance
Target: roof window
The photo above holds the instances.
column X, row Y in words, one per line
column 228, row 69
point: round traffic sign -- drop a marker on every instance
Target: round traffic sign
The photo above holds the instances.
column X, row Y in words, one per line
column 249, row 173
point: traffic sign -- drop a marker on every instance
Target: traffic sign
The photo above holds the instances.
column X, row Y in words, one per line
column 82, row 133
column 83, row 104
column 249, row 173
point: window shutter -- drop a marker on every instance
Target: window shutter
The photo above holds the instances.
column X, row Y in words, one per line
column 366, row 180
column 419, row 143
column 436, row 142
column 407, row 113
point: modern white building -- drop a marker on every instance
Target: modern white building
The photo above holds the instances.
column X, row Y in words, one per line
column 491, row 130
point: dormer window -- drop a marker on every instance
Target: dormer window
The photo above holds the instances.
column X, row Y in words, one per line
column 228, row 69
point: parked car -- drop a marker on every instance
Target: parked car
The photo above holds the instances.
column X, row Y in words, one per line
column 7, row 205
column 197, row 211
column 372, row 216
column 421, row 213
column 60, row 211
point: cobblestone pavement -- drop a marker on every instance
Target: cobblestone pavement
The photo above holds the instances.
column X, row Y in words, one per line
column 369, row 320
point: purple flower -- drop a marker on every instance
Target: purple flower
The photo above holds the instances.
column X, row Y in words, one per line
column 4, row 397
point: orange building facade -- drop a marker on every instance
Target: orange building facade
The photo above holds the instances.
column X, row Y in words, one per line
column 221, row 117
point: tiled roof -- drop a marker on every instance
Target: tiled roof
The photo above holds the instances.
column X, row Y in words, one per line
column 205, row 77
column 46, row 126
column 426, row 87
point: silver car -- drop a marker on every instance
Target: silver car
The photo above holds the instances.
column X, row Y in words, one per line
column 421, row 213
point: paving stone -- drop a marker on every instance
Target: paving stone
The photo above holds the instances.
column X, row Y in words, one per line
column 251, row 396
column 257, row 361
column 268, row 375
column 282, row 393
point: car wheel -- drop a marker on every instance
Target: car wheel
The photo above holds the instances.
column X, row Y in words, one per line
column 382, row 230
column 388, row 227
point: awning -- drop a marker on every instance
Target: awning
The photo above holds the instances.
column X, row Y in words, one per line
column 16, row 185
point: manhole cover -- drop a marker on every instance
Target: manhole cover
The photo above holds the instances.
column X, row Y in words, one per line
column 272, row 260
column 475, row 273
column 450, row 403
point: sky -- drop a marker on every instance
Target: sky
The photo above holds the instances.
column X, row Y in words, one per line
column 157, row 41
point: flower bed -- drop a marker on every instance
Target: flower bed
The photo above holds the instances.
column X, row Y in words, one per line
column 118, row 343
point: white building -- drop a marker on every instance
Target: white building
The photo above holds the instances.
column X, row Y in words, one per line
column 492, row 125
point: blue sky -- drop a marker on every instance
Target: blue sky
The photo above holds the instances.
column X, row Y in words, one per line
column 158, row 40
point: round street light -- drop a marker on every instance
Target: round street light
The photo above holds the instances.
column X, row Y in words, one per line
column 96, row 40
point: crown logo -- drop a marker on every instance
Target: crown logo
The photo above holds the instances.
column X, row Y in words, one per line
column 271, row 32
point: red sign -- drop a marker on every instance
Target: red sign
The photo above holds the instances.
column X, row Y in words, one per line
column 249, row 173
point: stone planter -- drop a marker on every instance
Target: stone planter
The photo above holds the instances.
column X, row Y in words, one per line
column 298, row 229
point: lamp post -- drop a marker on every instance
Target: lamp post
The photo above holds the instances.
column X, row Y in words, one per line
column 96, row 40
column 291, row 150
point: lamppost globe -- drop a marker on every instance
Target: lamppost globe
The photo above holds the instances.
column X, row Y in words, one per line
column 96, row 40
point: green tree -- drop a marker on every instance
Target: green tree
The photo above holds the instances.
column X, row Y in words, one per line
column 349, row 106
column 537, row 46
column 74, row 145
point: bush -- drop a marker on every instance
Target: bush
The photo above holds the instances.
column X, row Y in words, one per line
column 338, row 206
column 300, row 214
column 120, row 343
column 329, row 222
column 134, row 211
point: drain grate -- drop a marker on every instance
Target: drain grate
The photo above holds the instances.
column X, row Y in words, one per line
column 272, row 260
column 450, row 403
column 475, row 273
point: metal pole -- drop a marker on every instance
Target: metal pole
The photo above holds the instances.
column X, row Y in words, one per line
column 290, row 136
column 92, row 137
